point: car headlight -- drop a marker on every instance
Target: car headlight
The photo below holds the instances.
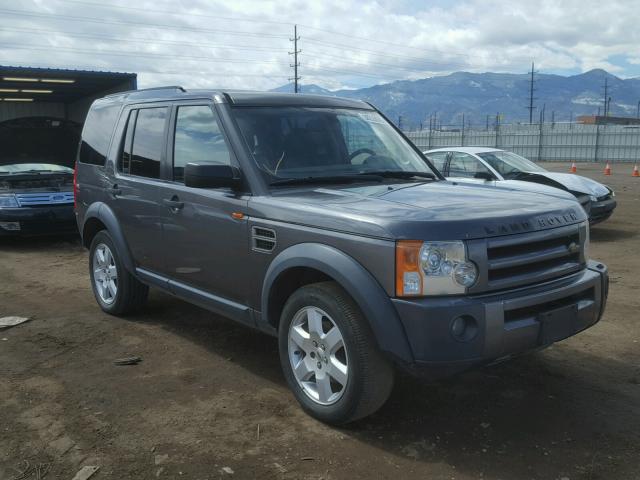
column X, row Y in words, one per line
column 8, row 200
column 433, row 268
column 593, row 198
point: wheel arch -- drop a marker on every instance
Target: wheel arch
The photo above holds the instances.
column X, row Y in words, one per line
column 100, row 217
column 307, row 263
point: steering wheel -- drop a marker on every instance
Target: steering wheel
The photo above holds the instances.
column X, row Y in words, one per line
column 360, row 151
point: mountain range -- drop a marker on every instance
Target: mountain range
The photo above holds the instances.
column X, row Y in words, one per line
column 482, row 95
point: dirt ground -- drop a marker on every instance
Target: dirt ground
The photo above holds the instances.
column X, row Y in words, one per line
column 209, row 401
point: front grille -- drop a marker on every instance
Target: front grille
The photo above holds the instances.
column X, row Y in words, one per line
column 44, row 198
column 525, row 259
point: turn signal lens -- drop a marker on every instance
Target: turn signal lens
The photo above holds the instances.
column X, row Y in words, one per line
column 408, row 278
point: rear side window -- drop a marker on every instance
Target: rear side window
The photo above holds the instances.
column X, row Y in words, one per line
column 198, row 139
column 144, row 142
column 96, row 134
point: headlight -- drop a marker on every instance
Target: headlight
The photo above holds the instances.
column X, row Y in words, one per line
column 8, row 200
column 593, row 198
column 433, row 268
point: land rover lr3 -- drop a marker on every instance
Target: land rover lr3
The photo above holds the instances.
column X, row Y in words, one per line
column 315, row 220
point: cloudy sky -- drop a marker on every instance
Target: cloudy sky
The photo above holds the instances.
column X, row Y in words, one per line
column 344, row 43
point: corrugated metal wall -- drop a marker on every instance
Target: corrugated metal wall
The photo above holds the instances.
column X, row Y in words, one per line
column 559, row 142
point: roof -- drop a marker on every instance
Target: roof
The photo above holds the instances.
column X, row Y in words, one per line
column 60, row 85
column 471, row 150
column 238, row 98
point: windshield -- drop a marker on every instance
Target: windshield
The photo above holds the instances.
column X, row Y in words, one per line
column 302, row 142
column 509, row 164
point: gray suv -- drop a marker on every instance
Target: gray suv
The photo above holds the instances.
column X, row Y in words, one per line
column 315, row 220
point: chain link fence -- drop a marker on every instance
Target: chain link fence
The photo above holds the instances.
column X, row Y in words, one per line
column 568, row 142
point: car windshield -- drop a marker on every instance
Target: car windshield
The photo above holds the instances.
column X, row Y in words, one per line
column 509, row 164
column 294, row 143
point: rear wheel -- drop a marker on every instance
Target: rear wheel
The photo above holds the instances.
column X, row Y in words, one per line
column 329, row 355
column 116, row 290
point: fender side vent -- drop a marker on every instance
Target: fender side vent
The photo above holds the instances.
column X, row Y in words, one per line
column 263, row 239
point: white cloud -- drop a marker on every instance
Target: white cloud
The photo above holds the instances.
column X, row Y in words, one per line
column 406, row 39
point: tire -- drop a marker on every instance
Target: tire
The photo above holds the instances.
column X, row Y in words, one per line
column 369, row 375
column 126, row 294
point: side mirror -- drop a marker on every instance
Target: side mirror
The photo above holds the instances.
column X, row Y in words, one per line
column 209, row 175
column 484, row 176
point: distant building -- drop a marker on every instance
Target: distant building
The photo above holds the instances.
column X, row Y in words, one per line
column 602, row 120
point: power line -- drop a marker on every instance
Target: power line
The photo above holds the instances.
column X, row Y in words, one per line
column 382, row 42
column 236, row 19
column 101, row 21
column 137, row 54
column 295, row 53
column 169, row 12
column 208, row 73
column 343, row 47
column 140, row 39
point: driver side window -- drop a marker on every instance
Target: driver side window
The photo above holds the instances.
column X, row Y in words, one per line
column 465, row 166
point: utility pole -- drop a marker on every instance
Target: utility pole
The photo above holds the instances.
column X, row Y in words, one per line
column 531, row 108
column 462, row 133
column 606, row 94
column 638, row 111
column 295, row 64
column 608, row 107
column 400, row 122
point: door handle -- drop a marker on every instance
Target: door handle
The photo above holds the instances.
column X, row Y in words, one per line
column 114, row 190
column 173, row 203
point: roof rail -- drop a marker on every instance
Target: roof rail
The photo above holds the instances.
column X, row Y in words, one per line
column 130, row 92
column 175, row 87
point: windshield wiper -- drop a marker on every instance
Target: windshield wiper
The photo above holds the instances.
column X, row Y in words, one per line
column 328, row 179
column 399, row 174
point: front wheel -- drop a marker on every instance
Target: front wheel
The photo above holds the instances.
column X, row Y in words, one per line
column 329, row 355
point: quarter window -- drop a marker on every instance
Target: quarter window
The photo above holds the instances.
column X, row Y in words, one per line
column 96, row 134
column 198, row 139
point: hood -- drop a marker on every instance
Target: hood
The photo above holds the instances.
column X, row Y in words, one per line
column 569, row 181
column 439, row 210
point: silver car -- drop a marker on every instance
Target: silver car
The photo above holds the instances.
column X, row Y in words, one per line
column 483, row 164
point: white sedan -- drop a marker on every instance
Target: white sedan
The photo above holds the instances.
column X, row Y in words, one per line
column 482, row 164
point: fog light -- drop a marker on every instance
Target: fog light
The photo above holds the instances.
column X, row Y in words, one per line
column 464, row 328
column 12, row 226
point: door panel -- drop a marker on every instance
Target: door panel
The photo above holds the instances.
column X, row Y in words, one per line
column 134, row 191
column 206, row 247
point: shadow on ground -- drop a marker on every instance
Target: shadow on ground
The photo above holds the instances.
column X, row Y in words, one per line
column 561, row 412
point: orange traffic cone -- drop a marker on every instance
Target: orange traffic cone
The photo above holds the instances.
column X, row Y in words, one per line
column 573, row 168
column 635, row 171
column 607, row 169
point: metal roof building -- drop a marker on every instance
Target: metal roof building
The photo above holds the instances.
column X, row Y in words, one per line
column 52, row 92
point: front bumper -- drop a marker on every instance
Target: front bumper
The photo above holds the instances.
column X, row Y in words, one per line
column 506, row 324
column 601, row 210
column 41, row 220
